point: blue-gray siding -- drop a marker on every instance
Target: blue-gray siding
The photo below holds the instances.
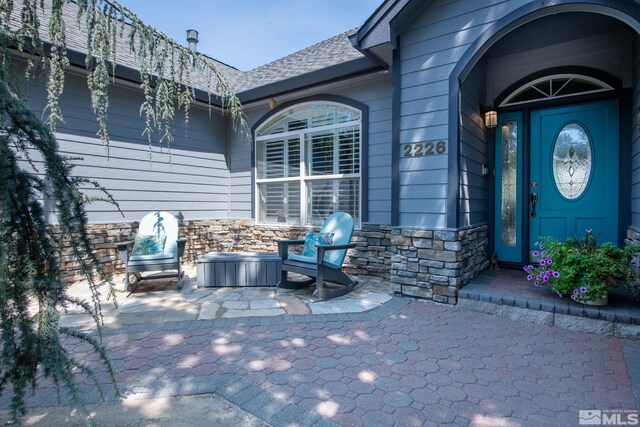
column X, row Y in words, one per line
column 605, row 52
column 473, row 150
column 431, row 46
column 376, row 95
column 192, row 180
column 635, row 148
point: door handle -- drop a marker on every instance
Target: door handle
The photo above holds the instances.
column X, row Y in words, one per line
column 534, row 200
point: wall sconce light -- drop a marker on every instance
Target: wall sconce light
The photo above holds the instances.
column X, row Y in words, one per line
column 272, row 103
column 490, row 118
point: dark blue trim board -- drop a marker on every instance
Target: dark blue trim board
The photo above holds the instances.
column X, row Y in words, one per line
column 624, row 10
column 364, row 145
column 395, row 136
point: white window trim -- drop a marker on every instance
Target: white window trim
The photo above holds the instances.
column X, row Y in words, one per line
column 302, row 178
column 603, row 87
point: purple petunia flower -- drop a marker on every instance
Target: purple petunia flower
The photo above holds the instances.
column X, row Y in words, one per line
column 576, row 292
column 525, row 268
column 556, row 274
column 549, row 261
column 535, row 253
column 529, row 277
column 545, row 279
column 542, row 263
column 583, row 289
column 537, row 283
column 573, row 297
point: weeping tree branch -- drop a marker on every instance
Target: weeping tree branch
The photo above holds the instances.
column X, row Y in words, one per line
column 167, row 69
column 32, row 294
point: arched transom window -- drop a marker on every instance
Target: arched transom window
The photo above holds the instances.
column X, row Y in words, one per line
column 556, row 86
column 308, row 164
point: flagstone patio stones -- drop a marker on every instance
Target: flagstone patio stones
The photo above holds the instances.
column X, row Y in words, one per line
column 171, row 303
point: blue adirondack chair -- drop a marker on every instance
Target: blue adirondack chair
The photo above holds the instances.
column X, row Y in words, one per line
column 164, row 228
column 326, row 265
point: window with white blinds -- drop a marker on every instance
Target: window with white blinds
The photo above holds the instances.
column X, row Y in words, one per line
column 308, row 164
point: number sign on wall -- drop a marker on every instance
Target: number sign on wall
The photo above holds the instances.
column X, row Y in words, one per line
column 422, row 149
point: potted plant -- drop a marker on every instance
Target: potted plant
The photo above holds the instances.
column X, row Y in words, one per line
column 580, row 268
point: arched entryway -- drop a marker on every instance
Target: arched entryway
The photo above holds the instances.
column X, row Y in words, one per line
column 562, row 79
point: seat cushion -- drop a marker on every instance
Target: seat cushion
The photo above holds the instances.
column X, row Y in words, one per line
column 148, row 245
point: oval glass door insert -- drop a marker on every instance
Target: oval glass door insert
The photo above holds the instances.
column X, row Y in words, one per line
column 572, row 160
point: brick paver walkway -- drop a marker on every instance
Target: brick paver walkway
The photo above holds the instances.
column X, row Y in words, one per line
column 406, row 363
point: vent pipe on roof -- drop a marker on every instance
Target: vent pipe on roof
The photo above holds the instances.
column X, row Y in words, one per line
column 192, row 39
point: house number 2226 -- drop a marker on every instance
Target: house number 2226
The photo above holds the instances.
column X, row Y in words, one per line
column 428, row 148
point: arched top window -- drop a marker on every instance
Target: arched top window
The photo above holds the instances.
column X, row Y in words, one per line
column 309, row 115
column 555, row 86
column 308, row 164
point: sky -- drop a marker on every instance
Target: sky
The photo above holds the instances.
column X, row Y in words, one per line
column 248, row 33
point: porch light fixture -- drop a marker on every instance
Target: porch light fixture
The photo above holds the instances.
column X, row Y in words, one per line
column 490, row 118
column 273, row 103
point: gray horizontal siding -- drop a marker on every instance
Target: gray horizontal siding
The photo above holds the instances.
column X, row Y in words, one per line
column 473, row 150
column 635, row 147
column 376, row 95
column 429, row 50
column 191, row 178
column 603, row 52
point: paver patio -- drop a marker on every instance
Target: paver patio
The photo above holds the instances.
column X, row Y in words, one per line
column 406, row 362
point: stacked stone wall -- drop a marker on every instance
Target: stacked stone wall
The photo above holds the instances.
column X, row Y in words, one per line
column 435, row 264
column 372, row 254
column 431, row 264
column 633, row 236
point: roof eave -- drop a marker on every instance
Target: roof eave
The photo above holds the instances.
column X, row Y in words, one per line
column 355, row 67
column 376, row 38
column 132, row 75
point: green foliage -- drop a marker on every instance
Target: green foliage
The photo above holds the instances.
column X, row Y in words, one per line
column 167, row 69
column 586, row 270
column 32, row 342
column 32, row 294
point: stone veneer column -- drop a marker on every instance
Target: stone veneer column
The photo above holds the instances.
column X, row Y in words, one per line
column 434, row 264
column 633, row 236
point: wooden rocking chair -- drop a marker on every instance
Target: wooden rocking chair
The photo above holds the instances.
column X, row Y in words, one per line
column 326, row 266
column 164, row 227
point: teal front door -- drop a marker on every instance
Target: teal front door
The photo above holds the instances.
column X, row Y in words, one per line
column 574, row 175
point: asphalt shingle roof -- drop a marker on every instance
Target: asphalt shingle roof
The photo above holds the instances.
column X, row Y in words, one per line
column 333, row 51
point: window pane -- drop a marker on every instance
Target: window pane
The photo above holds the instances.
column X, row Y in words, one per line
column 334, row 150
column 325, row 197
column 309, row 116
column 509, row 208
column 319, row 153
column 278, row 158
column 279, row 202
column 572, row 161
column 349, row 154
